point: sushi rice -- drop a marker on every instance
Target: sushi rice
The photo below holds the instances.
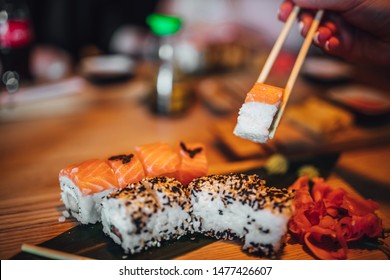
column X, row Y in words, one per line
column 239, row 206
column 235, row 206
column 144, row 214
column 254, row 121
column 85, row 208
column 257, row 113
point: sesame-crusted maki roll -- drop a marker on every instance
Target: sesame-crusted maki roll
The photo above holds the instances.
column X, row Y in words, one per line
column 241, row 206
column 143, row 214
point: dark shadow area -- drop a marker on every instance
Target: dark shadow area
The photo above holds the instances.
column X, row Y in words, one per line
column 367, row 187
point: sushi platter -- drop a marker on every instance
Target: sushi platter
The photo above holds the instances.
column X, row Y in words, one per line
column 90, row 241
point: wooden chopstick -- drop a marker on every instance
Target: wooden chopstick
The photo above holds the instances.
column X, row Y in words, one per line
column 294, row 73
column 278, row 45
column 50, row 253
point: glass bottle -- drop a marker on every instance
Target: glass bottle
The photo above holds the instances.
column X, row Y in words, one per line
column 170, row 94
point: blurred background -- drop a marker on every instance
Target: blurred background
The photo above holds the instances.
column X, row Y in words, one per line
column 206, row 54
column 207, row 50
column 83, row 79
column 52, row 37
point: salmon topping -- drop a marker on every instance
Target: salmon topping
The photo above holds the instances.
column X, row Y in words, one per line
column 128, row 169
column 91, row 176
column 265, row 94
column 158, row 159
column 193, row 162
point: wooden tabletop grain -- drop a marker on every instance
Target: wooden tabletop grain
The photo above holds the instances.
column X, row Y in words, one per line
column 38, row 139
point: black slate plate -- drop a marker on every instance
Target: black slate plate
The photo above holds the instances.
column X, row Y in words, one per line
column 90, row 241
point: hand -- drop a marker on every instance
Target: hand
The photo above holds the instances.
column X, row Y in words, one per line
column 356, row 30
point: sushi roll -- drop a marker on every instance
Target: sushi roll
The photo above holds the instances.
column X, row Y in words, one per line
column 239, row 206
column 193, row 162
column 144, row 214
column 83, row 186
column 127, row 168
column 158, row 159
column 257, row 113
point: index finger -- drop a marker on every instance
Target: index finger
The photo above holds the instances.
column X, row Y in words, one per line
column 284, row 10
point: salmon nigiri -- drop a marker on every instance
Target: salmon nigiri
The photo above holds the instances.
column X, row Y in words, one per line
column 158, row 159
column 83, row 186
column 257, row 113
column 128, row 169
column 193, row 162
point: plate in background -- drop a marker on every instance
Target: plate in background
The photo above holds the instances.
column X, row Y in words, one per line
column 362, row 99
column 326, row 71
column 371, row 106
column 107, row 68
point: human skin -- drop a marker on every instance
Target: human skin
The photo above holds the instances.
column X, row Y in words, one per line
column 356, row 30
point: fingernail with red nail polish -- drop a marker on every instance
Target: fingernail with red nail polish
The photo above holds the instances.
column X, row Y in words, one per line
column 301, row 25
column 316, row 38
column 327, row 46
column 279, row 13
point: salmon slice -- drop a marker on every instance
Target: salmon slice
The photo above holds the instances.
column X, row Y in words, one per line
column 265, row 94
column 158, row 159
column 128, row 169
column 193, row 162
column 91, row 176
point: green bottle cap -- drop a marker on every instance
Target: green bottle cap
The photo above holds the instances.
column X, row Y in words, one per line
column 164, row 25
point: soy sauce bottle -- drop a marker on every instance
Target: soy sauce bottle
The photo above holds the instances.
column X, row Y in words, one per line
column 171, row 92
column 16, row 38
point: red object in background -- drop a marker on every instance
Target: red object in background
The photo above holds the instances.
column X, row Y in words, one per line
column 283, row 63
column 16, row 38
column 16, row 33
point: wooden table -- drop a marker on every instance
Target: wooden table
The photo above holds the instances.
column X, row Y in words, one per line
column 40, row 138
